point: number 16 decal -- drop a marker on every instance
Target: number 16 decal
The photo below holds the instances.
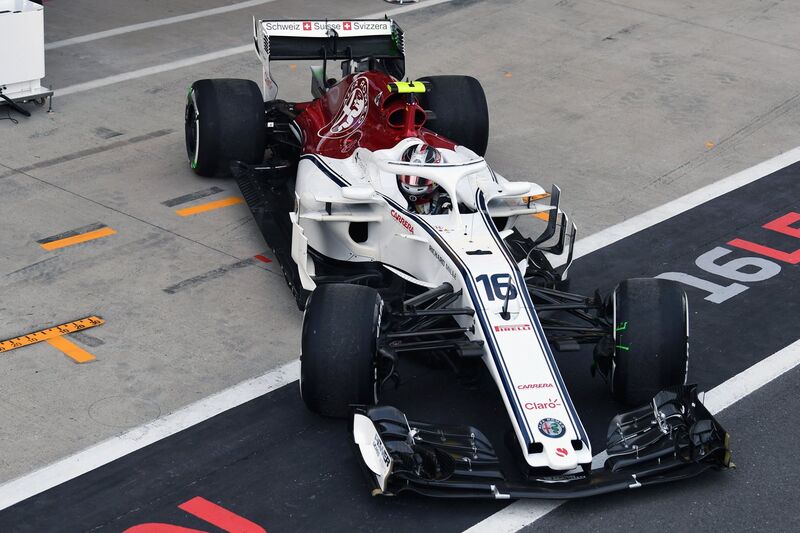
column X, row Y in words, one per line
column 497, row 286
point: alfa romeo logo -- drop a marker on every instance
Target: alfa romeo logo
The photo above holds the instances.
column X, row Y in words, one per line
column 353, row 112
column 550, row 427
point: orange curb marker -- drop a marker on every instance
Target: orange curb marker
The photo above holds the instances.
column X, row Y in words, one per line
column 209, row 206
column 83, row 237
column 71, row 350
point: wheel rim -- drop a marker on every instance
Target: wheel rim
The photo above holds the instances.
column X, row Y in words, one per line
column 192, row 129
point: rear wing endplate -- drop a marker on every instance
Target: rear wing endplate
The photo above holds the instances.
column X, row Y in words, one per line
column 354, row 40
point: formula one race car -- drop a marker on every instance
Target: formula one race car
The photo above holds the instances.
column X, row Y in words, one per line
column 397, row 237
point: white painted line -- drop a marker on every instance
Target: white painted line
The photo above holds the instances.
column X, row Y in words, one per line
column 149, row 71
column 194, row 60
column 154, row 24
column 103, row 453
column 680, row 205
column 726, row 394
column 522, row 513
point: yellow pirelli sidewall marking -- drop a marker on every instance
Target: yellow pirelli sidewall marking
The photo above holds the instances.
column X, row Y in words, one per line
column 209, row 206
column 50, row 333
column 83, row 237
column 71, row 350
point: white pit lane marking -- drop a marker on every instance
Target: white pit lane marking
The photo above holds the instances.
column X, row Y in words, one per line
column 513, row 517
column 195, row 60
column 153, row 24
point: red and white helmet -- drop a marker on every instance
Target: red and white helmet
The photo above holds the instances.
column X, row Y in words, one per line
column 417, row 186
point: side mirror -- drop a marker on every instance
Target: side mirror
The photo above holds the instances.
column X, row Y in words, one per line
column 358, row 193
column 516, row 188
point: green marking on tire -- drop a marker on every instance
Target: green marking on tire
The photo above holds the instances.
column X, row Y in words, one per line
column 622, row 347
column 622, row 327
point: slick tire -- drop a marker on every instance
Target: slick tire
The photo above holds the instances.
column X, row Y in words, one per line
column 460, row 111
column 224, row 122
column 339, row 348
column 651, row 333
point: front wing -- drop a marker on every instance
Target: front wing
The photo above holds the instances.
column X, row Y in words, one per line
column 674, row 437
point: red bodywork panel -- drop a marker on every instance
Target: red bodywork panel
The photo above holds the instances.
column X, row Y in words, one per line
column 359, row 111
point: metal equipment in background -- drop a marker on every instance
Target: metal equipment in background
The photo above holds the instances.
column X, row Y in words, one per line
column 22, row 54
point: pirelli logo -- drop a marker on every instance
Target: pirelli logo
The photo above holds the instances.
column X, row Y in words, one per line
column 513, row 327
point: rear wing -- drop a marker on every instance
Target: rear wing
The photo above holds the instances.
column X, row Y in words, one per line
column 379, row 40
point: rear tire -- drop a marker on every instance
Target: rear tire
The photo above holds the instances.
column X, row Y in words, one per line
column 650, row 339
column 339, row 348
column 461, row 113
column 224, row 122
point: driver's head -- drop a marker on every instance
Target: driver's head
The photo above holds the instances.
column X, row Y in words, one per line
column 417, row 187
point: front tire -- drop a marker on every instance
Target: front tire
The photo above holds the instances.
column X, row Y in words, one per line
column 651, row 332
column 224, row 122
column 339, row 348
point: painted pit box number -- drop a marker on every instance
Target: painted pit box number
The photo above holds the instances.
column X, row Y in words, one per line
column 207, row 512
column 748, row 269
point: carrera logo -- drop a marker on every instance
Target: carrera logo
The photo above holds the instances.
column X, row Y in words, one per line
column 403, row 222
column 551, row 403
column 526, row 386
column 355, row 105
column 306, row 26
column 562, row 452
column 346, row 25
column 514, row 327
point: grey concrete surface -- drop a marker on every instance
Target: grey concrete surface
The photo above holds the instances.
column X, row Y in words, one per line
column 625, row 105
column 759, row 495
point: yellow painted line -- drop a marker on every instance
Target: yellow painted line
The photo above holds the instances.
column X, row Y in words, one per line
column 83, row 237
column 50, row 333
column 544, row 215
column 71, row 350
column 209, row 206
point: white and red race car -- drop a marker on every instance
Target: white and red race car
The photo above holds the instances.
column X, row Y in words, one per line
column 381, row 273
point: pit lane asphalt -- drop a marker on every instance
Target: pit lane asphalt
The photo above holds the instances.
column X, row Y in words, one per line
column 618, row 102
column 287, row 470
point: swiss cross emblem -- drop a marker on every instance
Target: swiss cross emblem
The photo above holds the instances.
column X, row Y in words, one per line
column 348, row 25
column 306, row 26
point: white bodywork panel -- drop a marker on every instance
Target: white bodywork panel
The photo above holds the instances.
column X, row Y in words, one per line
column 433, row 249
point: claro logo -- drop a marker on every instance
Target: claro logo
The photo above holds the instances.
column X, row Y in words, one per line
column 403, row 222
column 514, row 327
column 551, row 403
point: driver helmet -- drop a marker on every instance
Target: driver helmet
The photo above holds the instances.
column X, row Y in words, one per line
column 416, row 187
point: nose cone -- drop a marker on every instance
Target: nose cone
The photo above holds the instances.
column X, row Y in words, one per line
column 560, row 455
